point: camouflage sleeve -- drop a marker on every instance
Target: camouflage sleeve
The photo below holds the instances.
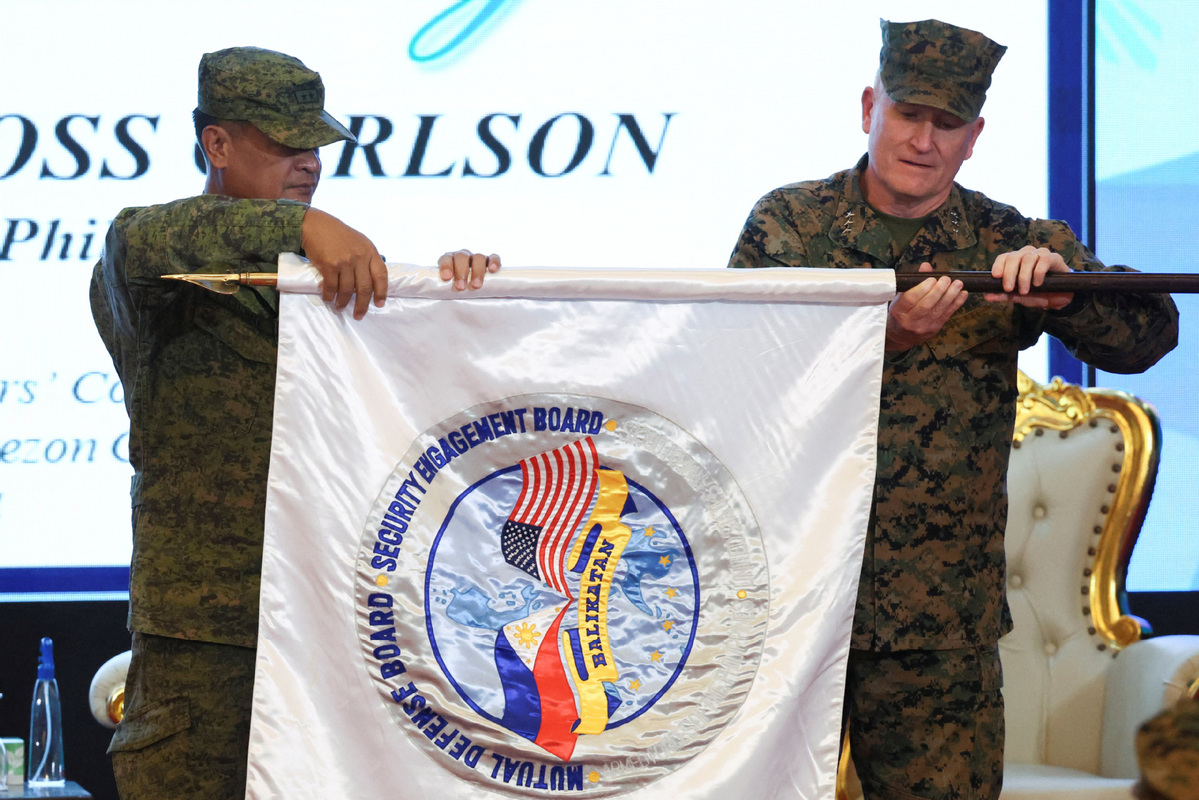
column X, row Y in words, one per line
column 208, row 233
column 1116, row 332
column 770, row 236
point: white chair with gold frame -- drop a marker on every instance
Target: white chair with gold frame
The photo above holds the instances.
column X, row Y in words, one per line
column 1078, row 677
column 1081, row 475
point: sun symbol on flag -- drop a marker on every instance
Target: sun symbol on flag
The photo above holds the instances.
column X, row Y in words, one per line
column 527, row 635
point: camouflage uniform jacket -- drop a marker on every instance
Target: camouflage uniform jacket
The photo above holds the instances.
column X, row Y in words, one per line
column 198, row 370
column 933, row 576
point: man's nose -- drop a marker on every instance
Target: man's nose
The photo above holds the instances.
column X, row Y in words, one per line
column 309, row 161
column 922, row 137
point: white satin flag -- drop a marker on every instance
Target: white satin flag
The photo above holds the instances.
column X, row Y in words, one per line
column 585, row 533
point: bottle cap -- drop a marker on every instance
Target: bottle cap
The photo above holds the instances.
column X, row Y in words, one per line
column 45, row 664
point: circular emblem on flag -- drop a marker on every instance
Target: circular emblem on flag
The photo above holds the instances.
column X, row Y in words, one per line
column 561, row 593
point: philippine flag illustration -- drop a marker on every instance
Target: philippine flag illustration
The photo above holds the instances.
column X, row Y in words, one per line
column 538, row 701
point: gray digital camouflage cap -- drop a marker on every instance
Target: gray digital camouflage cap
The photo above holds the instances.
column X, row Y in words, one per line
column 273, row 91
column 933, row 63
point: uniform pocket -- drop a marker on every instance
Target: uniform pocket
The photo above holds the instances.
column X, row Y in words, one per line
column 977, row 352
column 244, row 338
column 216, row 377
column 970, row 328
column 151, row 724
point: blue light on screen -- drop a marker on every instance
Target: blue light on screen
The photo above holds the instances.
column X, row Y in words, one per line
column 1147, row 212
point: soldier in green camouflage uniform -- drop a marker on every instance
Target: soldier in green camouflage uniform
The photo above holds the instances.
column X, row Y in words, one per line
column 1168, row 754
column 198, row 370
column 924, row 709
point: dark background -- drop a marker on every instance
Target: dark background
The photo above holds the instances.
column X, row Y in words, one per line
column 85, row 634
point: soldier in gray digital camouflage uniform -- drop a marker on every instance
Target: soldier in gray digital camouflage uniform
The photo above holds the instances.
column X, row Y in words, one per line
column 923, row 703
column 198, row 370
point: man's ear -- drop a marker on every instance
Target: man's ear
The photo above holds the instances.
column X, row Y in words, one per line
column 977, row 128
column 216, row 142
column 867, row 107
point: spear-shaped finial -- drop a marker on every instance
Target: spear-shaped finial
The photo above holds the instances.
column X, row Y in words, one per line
column 228, row 282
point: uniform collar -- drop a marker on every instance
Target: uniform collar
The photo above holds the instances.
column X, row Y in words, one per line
column 858, row 227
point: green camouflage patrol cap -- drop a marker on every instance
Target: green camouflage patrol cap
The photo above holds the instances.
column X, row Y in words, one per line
column 933, row 63
column 273, row 91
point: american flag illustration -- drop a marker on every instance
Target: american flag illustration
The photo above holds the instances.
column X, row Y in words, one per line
column 557, row 489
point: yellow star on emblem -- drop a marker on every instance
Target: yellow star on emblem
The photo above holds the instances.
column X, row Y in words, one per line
column 672, row 592
column 634, row 684
column 664, row 561
column 667, row 625
column 655, row 656
column 649, row 530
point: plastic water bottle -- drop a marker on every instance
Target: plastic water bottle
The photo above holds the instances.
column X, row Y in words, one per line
column 45, row 725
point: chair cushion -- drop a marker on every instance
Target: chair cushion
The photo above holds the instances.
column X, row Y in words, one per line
column 1040, row 782
column 1054, row 668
